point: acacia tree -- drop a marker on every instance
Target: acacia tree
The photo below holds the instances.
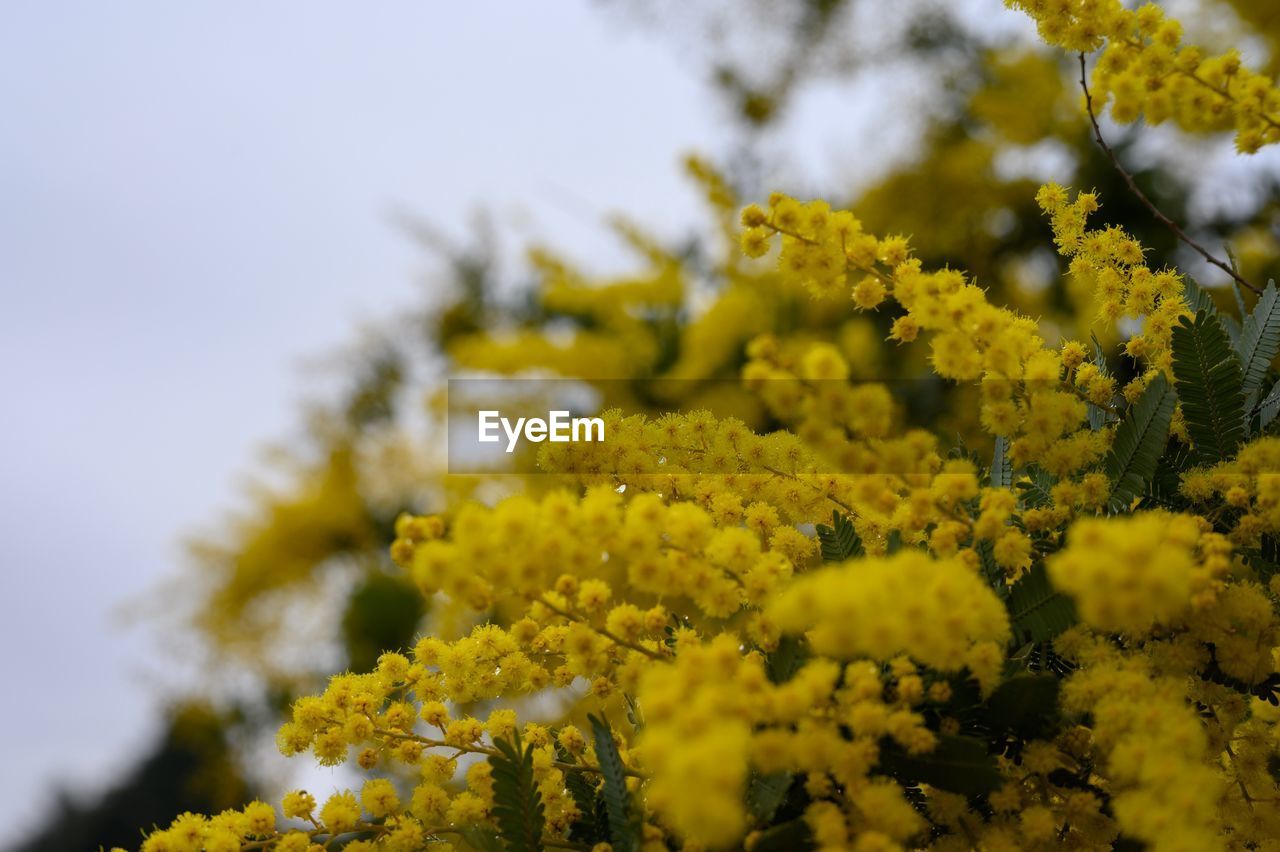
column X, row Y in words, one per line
column 782, row 605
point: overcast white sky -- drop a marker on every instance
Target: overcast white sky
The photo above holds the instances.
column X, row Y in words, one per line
column 194, row 197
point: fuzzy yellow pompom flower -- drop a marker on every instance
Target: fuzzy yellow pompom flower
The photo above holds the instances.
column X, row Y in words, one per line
column 937, row 611
column 1131, row 574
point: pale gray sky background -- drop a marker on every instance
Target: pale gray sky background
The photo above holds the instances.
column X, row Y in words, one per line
column 194, row 197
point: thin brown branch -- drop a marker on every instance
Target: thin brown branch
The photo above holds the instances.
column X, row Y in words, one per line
column 603, row 631
column 493, row 752
column 849, row 264
column 1221, row 91
column 1142, row 196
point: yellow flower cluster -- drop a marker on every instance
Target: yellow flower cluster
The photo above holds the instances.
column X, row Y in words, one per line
column 1024, row 391
column 811, row 391
column 823, row 248
column 1134, row 574
column 379, row 717
column 1112, row 262
column 714, row 714
column 1249, row 484
column 721, row 465
column 1242, row 628
column 1155, row 750
column 375, row 813
column 939, row 612
column 699, row 716
column 714, row 549
column 618, row 341
column 1146, row 70
column 899, row 485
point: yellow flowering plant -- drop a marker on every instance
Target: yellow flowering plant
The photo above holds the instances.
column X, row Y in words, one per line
column 765, row 613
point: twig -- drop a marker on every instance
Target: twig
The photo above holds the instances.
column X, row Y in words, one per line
column 603, row 631
column 1141, row 196
column 493, row 752
column 857, row 267
column 1223, row 91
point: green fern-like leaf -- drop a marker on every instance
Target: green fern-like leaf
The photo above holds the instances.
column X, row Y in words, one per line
column 623, row 835
column 1269, row 407
column 893, row 542
column 1259, row 341
column 1166, row 484
column 765, row 795
column 1024, row 705
column 1036, row 489
column 589, row 827
column 839, row 541
column 1138, row 443
column 1196, row 298
column 1232, row 328
column 1001, row 465
column 1210, row 386
column 783, row 662
column 794, row 835
column 517, row 803
column 1268, row 562
column 1265, row 559
column 957, row 764
column 1098, row 416
column 1037, row 611
column 991, row 572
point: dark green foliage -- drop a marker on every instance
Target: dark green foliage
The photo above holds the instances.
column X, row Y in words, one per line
column 1168, row 480
column 382, row 614
column 791, row 836
column 1239, row 298
column 1210, row 387
column 1024, row 705
column 1165, row 484
column 766, row 793
column 1001, row 465
column 623, row 833
column 840, row 541
column 1266, row 559
column 785, row 660
column 592, row 826
column 1035, row 489
column 893, row 543
column 1259, row 340
column 991, row 572
column 1139, row 441
column 961, row 452
column 1097, row 415
column 1231, row 327
column 588, row 828
column 1196, row 298
column 1037, row 612
column 958, row 765
column 1269, row 407
column 517, row 803
column 1040, row 658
